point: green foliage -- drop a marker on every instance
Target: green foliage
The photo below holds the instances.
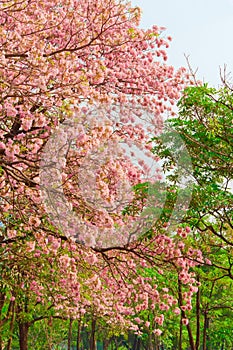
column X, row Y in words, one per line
column 205, row 126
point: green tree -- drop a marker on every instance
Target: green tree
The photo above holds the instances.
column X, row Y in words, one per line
column 204, row 124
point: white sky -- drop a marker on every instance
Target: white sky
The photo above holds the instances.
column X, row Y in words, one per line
column 202, row 29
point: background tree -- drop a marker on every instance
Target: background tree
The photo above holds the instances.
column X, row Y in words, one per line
column 205, row 125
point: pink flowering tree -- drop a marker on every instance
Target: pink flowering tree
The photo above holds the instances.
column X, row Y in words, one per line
column 77, row 79
column 57, row 57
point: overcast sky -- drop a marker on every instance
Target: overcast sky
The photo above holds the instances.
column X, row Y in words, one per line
column 202, row 29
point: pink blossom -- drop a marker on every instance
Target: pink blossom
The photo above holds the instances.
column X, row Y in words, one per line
column 193, row 289
column 181, row 245
column 137, row 320
column 11, row 233
column 176, row 311
column 34, row 221
column 185, row 321
column 208, row 262
column 157, row 332
column 159, row 319
column 92, row 259
column 183, row 234
column 2, row 145
column 30, row 246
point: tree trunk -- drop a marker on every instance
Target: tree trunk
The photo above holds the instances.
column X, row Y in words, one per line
column 180, row 301
column 92, row 338
column 191, row 340
column 162, row 346
column 206, row 326
column 11, row 326
column 138, row 344
column 150, row 345
column 106, row 343
column 70, row 334
column 23, row 335
column 2, row 301
column 198, row 303
column 156, row 344
column 135, row 342
column 78, row 341
column 180, row 335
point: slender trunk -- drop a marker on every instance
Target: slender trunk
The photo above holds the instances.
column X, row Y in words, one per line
column 115, row 343
column 2, row 301
column 139, row 343
column 156, row 344
column 135, row 342
column 206, row 326
column 106, row 343
column 9, row 343
column 198, row 313
column 23, row 335
column 70, row 334
column 162, row 346
column 180, row 335
column 1, row 335
column 180, row 300
column 92, row 338
column 78, row 341
column 180, row 304
column 150, row 345
column 131, row 338
column 191, row 340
